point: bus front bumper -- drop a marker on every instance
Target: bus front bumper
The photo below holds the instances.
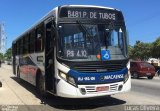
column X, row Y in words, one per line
column 66, row 90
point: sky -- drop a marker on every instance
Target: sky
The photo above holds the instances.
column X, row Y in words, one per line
column 142, row 16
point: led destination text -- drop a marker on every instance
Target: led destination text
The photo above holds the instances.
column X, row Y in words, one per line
column 91, row 15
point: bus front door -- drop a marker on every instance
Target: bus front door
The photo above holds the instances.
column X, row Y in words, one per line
column 49, row 57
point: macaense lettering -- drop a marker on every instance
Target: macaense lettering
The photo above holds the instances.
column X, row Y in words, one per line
column 120, row 76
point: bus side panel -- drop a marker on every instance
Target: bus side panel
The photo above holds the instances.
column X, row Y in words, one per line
column 23, row 68
column 29, row 65
column 35, row 63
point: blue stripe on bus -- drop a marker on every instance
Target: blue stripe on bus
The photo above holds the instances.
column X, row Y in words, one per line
column 95, row 78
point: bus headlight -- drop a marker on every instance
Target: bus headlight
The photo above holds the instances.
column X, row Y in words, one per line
column 126, row 76
column 63, row 75
column 67, row 78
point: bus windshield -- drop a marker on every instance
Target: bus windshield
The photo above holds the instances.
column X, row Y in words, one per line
column 85, row 42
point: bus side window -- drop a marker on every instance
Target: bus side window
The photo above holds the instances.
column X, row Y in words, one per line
column 40, row 38
column 14, row 48
column 32, row 41
column 18, row 48
column 21, row 46
column 25, row 47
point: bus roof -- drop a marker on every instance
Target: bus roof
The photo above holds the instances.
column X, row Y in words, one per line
column 51, row 13
column 88, row 6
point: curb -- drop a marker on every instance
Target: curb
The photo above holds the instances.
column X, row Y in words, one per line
column 0, row 84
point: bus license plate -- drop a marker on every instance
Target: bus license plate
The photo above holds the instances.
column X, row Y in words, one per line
column 102, row 88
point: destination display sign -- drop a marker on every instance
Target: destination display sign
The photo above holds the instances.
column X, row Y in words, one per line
column 76, row 53
column 89, row 13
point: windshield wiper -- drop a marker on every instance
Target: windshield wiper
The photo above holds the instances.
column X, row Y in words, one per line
column 90, row 37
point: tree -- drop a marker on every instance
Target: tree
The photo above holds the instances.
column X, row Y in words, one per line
column 8, row 54
column 130, row 50
column 156, row 48
column 1, row 56
column 141, row 51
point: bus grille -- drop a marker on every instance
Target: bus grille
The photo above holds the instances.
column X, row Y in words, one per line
column 114, row 87
column 92, row 89
column 92, row 68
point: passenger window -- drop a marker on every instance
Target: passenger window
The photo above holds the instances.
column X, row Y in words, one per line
column 40, row 38
column 14, row 49
column 18, row 47
column 32, row 41
column 21, row 46
column 26, row 42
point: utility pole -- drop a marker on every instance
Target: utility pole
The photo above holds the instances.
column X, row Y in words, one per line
column 3, row 38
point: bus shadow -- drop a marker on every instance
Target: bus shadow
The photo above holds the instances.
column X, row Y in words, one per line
column 77, row 104
column 71, row 104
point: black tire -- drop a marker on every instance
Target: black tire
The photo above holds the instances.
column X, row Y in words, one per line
column 41, row 90
column 150, row 77
column 135, row 75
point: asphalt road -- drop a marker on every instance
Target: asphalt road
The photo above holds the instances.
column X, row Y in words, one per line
column 148, row 88
column 23, row 97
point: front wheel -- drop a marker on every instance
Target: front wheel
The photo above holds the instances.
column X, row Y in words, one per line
column 41, row 86
column 150, row 77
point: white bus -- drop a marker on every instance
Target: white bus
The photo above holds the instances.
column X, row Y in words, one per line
column 75, row 51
